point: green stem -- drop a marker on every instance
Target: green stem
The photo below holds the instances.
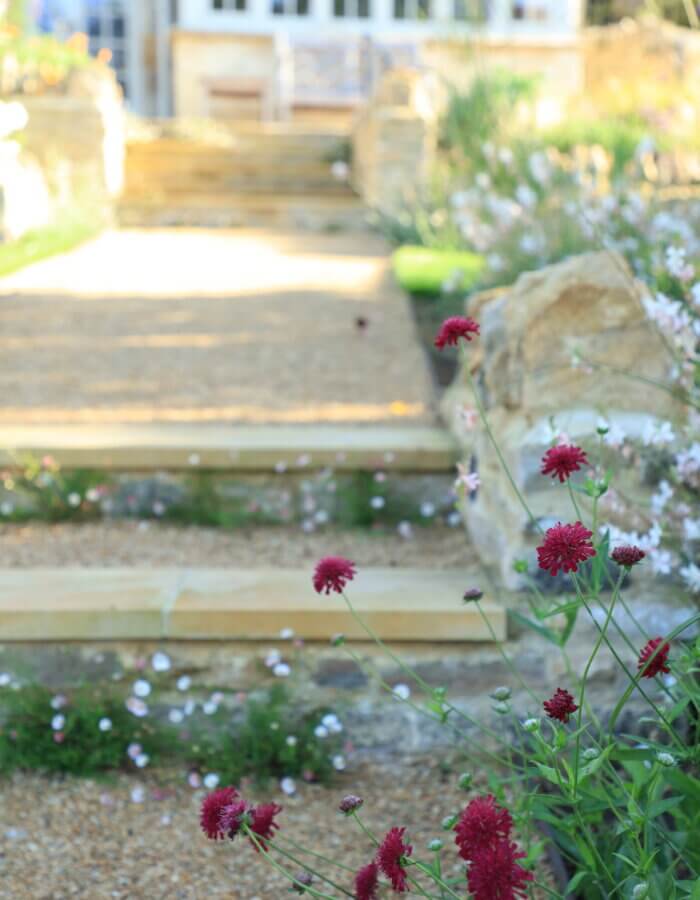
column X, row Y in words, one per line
column 275, row 865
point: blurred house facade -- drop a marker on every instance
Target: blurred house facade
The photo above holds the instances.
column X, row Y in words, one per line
column 281, row 59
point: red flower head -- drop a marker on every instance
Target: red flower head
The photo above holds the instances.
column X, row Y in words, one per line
column 627, row 555
column 564, row 547
column 262, row 822
column 560, row 706
column 231, row 817
column 562, row 461
column 212, row 807
column 482, row 823
column 367, row 882
column 332, row 573
column 652, row 667
column 453, row 329
column 390, row 857
column 494, row 873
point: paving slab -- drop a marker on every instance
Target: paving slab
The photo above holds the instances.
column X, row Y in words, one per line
column 212, row 326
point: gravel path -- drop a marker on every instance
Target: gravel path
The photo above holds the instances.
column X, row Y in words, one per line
column 155, row 544
column 79, row 839
column 211, row 326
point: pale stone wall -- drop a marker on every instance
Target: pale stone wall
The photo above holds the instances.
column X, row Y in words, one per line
column 523, row 363
column 395, row 140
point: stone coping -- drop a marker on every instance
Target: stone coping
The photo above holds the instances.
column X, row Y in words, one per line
column 246, row 448
column 235, row 604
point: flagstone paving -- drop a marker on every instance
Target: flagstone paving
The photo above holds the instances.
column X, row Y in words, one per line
column 212, row 326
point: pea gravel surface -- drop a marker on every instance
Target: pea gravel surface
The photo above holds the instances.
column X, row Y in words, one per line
column 154, row 544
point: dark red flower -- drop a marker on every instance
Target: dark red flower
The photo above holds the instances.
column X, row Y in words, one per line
column 651, row 667
column 494, row 873
column 367, row 882
column 560, row 706
column 350, row 803
column 332, row 573
column 231, row 817
column 562, row 461
column 628, row 555
column 482, row 823
column 453, row 329
column 262, row 822
column 391, row 855
column 564, row 547
column 212, row 807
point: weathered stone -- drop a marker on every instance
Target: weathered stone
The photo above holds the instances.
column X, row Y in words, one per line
column 587, row 308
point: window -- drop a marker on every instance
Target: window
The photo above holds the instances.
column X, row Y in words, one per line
column 107, row 27
column 290, row 7
column 412, row 9
column 470, row 10
column 530, row 10
column 351, row 9
column 229, row 5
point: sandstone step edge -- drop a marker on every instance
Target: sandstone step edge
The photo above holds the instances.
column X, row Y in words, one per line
column 171, row 446
column 113, row 604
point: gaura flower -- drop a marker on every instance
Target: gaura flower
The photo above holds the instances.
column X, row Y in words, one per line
column 562, row 461
column 391, row 857
column 453, row 329
column 332, row 574
column 560, row 706
column 564, row 547
column 649, row 667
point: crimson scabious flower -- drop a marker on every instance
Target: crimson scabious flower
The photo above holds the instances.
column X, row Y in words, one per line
column 262, row 822
column 651, row 667
column 482, row 823
column 495, row 874
column 560, row 706
column 562, row 461
column 391, row 857
column 231, row 817
column 453, row 329
column 367, row 882
column 629, row 555
column 212, row 807
column 564, row 547
column 332, row 574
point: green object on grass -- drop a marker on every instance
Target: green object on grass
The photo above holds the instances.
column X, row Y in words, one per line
column 44, row 242
column 425, row 270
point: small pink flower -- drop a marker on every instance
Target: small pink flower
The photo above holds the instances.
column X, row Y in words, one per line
column 453, row 329
column 332, row 573
column 59, row 737
column 470, row 481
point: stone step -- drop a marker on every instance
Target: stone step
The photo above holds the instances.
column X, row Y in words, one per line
column 228, row 604
column 254, row 448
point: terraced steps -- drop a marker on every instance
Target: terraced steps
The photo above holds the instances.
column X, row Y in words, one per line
column 237, row 605
column 252, row 448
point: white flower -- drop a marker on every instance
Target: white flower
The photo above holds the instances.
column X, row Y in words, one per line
column 74, row 499
column 184, row 683
column 615, row 436
column 160, row 662
column 273, row 658
column 427, row 509
column 291, row 741
column 691, row 529
column 176, row 716
column 691, row 576
column 193, row 459
column 304, row 460
column 6, row 508
column 287, row 634
column 5, row 679
column 189, row 707
column 401, row 691
column 58, row 702
column 338, row 763
column 321, row 732
column 105, row 724
column 141, row 688
column 209, row 708
column 525, row 196
column 661, row 497
column 288, row 786
column 656, row 434
column 405, row 530
column 688, row 461
column 377, row 502
column 483, row 181
column 142, row 760
column 137, row 707
column 92, row 495
column 340, row 170
column 217, row 697
column 58, row 722
column 469, row 481
column 661, row 562
column 282, row 670
column 211, row 781
column 677, row 264
column 138, row 795
column 194, row 780
column 695, row 293
column 280, row 467
column 134, row 750
column 332, row 723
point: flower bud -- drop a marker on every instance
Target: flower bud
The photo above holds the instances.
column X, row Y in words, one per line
column 665, row 759
column 501, row 708
column 472, row 595
column 640, row 891
column 435, row 845
column 350, row 804
column 520, row 566
column 337, row 640
column 302, row 880
column 465, row 780
column 501, row 693
column 531, row 725
column 591, row 753
column 449, row 822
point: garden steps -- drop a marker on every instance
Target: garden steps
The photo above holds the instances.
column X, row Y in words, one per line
column 69, row 604
column 254, row 448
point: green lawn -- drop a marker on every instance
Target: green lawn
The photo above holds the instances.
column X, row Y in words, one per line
column 424, row 270
column 44, row 242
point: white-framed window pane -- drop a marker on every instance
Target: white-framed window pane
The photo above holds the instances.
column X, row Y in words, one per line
column 530, row 10
column 229, row 5
column 351, row 9
column 412, row 9
column 470, row 10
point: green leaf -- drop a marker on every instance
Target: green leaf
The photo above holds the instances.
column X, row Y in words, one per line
column 542, row 630
column 549, row 773
column 576, row 881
